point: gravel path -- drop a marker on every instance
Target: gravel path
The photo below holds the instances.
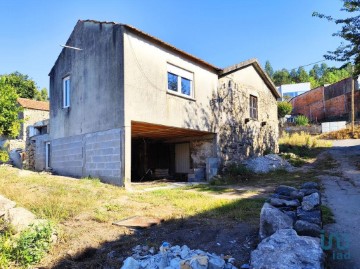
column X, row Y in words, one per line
column 342, row 195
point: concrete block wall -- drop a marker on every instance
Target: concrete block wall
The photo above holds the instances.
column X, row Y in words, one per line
column 95, row 154
column 40, row 152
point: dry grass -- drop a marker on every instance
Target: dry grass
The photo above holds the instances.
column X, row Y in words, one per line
column 303, row 139
column 343, row 134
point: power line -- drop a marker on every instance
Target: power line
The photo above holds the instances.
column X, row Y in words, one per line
column 306, row 65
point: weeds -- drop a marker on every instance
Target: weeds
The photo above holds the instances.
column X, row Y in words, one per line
column 343, row 134
column 327, row 215
column 28, row 248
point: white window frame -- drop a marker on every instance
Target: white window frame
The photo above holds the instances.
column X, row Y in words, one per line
column 47, row 155
column 180, row 73
column 66, row 92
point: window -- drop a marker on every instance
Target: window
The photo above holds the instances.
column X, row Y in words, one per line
column 253, row 107
column 180, row 81
column 47, row 155
column 66, row 92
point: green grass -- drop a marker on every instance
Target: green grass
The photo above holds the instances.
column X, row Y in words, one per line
column 327, row 215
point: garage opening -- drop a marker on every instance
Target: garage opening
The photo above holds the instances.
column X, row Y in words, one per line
column 161, row 152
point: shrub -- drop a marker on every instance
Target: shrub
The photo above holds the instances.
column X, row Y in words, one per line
column 284, row 108
column 4, row 156
column 301, row 120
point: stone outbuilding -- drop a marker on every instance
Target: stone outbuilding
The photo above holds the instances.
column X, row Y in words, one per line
column 126, row 105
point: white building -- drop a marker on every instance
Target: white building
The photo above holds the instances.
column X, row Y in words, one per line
column 289, row 91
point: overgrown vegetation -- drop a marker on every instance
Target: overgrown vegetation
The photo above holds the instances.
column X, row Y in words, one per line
column 327, row 215
column 343, row 134
column 301, row 120
column 300, row 148
column 4, row 156
column 284, row 108
column 26, row 249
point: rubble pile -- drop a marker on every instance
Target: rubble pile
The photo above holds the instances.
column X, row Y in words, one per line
column 175, row 257
column 267, row 163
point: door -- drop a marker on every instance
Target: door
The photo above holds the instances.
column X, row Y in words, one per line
column 182, row 158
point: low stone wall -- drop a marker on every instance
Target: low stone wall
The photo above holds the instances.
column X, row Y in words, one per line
column 290, row 227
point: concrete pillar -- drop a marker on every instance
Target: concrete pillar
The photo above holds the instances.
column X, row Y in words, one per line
column 127, row 156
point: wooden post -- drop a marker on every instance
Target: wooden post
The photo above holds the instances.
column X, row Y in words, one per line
column 352, row 105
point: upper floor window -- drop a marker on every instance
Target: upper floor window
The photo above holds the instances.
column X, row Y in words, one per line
column 179, row 80
column 253, row 107
column 66, row 92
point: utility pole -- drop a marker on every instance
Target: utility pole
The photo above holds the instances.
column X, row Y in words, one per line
column 352, row 104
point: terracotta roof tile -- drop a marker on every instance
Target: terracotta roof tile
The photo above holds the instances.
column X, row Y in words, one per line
column 33, row 104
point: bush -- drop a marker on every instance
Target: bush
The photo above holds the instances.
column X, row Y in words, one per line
column 4, row 156
column 284, row 108
column 301, row 120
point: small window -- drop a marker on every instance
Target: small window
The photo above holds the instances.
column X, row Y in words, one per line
column 66, row 92
column 47, row 155
column 253, row 107
column 180, row 81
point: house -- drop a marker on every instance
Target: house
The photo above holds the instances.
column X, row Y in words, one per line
column 328, row 103
column 289, row 91
column 124, row 103
column 33, row 111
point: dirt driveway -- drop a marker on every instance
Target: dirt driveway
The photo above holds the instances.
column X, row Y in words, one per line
column 342, row 195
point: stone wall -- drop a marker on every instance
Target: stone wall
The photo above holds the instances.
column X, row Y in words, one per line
column 200, row 150
column 95, row 154
column 31, row 116
column 239, row 136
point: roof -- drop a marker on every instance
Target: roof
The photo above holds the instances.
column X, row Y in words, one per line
column 219, row 71
column 33, row 104
column 260, row 71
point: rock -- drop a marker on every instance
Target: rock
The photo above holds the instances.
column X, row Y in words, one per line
column 291, row 214
column 281, row 202
column 310, row 201
column 285, row 190
column 306, row 228
column 185, row 250
column 286, row 250
column 308, row 191
column 131, row 263
column 216, row 263
column 272, row 219
column 19, row 218
column 296, row 195
column 199, row 262
column 5, row 204
column 310, row 185
column 313, row 216
column 245, row 266
column 267, row 163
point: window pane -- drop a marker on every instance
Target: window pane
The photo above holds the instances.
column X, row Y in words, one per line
column 172, row 82
column 185, row 86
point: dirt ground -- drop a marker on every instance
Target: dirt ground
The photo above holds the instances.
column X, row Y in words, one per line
column 342, row 195
column 213, row 235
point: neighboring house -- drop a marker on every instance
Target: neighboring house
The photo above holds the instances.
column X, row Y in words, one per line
column 128, row 102
column 289, row 91
column 33, row 111
column 327, row 103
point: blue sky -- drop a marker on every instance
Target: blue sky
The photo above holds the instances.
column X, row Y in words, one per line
column 220, row 32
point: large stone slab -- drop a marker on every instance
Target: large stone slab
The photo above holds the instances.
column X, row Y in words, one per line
column 20, row 218
column 313, row 216
column 272, row 219
column 5, row 205
column 306, row 228
column 286, row 250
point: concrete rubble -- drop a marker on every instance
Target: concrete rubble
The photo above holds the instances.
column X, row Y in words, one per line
column 175, row 257
column 267, row 163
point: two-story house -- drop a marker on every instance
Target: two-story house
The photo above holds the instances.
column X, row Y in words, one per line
column 124, row 102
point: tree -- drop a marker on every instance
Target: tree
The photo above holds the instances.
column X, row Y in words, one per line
column 41, row 95
column 281, row 77
column 25, row 87
column 294, row 76
column 350, row 29
column 284, row 108
column 268, row 69
column 302, row 75
column 9, row 110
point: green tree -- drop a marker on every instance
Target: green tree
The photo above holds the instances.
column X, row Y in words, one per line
column 281, row 77
column 41, row 95
column 9, row 110
column 302, row 75
column 25, row 87
column 284, row 108
column 268, row 69
column 294, row 76
column 350, row 29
